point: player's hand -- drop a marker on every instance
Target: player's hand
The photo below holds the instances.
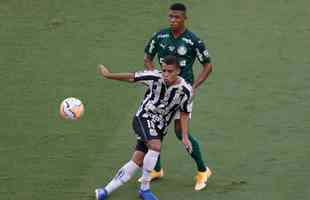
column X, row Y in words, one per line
column 187, row 144
column 104, row 70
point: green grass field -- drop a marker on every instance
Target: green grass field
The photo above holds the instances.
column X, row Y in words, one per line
column 252, row 116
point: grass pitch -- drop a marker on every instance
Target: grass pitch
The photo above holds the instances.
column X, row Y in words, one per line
column 251, row 116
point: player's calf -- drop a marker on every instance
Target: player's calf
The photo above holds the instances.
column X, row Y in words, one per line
column 149, row 162
column 123, row 175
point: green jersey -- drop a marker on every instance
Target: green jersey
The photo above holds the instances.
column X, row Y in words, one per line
column 186, row 48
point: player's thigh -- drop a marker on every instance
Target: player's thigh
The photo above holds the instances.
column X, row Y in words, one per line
column 145, row 129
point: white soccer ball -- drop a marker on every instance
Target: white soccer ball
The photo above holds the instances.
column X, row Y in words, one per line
column 71, row 108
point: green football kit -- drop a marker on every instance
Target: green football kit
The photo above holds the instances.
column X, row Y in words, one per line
column 187, row 47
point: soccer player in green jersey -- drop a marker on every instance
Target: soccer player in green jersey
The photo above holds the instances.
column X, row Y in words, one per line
column 177, row 40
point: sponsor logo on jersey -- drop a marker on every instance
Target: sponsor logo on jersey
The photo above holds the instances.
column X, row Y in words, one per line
column 163, row 36
column 182, row 50
column 171, row 48
column 162, row 45
column 188, row 41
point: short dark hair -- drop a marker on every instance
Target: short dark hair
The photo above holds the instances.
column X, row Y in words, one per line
column 171, row 60
column 178, row 7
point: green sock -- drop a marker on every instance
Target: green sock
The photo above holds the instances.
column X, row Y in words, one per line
column 158, row 165
column 196, row 154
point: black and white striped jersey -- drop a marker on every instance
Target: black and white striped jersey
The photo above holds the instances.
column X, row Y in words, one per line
column 161, row 102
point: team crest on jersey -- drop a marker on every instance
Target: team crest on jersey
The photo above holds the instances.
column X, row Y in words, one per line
column 188, row 41
column 182, row 50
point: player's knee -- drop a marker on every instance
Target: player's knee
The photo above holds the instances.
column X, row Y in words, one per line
column 155, row 146
column 138, row 157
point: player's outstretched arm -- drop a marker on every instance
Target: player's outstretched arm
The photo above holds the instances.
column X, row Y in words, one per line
column 105, row 72
column 184, row 119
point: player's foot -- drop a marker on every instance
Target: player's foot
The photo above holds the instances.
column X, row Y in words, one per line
column 202, row 179
column 101, row 194
column 147, row 195
column 154, row 175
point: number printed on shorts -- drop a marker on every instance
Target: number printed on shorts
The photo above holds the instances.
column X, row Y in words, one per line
column 151, row 127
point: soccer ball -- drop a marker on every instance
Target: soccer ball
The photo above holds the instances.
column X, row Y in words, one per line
column 71, row 108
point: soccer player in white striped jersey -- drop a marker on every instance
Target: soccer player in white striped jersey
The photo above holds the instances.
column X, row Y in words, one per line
column 167, row 94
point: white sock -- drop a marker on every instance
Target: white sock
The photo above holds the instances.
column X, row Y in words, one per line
column 149, row 163
column 123, row 175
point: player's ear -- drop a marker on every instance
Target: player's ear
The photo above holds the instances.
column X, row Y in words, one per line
column 185, row 16
column 161, row 66
column 178, row 70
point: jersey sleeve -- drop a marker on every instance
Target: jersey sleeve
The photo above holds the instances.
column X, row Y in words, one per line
column 151, row 46
column 147, row 76
column 202, row 52
column 187, row 101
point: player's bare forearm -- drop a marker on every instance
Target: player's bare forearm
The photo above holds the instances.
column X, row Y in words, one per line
column 148, row 62
column 184, row 119
column 129, row 77
column 105, row 72
column 203, row 75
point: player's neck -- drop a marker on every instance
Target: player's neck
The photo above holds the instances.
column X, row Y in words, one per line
column 175, row 82
column 178, row 32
